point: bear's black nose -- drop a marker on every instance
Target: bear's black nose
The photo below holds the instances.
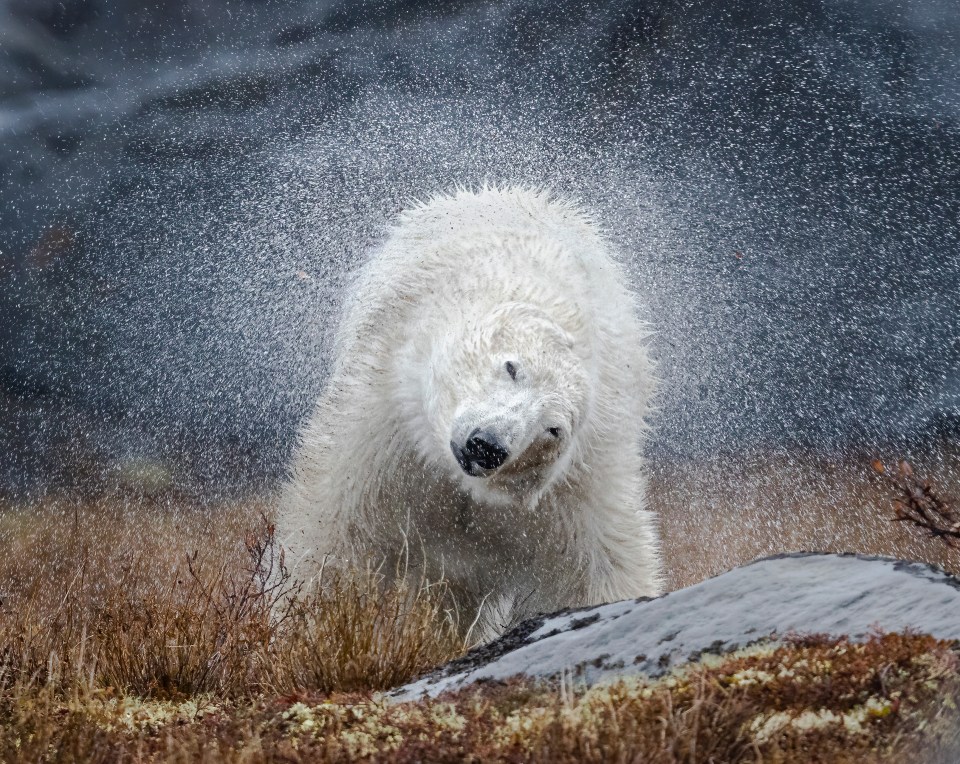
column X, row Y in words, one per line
column 482, row 450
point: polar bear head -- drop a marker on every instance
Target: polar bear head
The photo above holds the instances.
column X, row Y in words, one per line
column 508, row 394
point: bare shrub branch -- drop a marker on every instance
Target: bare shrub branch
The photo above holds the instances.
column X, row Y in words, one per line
column 919, row 504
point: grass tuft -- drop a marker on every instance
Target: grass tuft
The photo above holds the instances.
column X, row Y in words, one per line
column 172, row 605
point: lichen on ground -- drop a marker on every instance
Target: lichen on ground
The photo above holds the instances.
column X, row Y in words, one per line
column 810, row 699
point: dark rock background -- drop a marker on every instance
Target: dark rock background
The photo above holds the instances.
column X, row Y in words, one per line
column 183, row 188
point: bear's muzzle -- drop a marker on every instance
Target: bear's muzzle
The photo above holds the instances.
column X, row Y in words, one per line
column 482, row 453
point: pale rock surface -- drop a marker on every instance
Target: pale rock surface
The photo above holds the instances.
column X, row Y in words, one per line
column 802, row 593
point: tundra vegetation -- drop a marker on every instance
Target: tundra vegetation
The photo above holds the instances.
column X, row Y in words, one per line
column 139, row 627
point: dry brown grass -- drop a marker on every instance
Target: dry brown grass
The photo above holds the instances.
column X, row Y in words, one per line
column 889, row 700
column 143, row 629
column 159, row 602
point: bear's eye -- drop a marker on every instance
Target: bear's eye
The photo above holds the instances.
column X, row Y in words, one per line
column 554, row 431
column 511, row 368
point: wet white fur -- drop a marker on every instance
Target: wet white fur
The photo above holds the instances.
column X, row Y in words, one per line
column 462, row 284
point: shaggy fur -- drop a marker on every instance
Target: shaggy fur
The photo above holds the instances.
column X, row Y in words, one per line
column 463, row 285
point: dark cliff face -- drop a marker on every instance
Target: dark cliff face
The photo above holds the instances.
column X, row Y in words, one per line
column 182, row 189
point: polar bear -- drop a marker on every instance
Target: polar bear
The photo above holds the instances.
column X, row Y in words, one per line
column 484, row 415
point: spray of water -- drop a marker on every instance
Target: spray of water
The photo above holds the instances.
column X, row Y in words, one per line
column 783, row 183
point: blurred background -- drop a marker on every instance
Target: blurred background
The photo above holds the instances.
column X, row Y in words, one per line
column 185, row 184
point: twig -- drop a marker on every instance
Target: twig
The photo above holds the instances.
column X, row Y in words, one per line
column 919, row 504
